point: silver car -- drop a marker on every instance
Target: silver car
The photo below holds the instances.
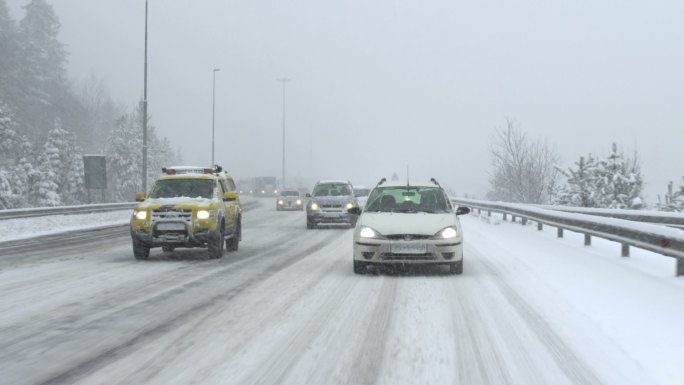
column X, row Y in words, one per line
column 289, row 200
column 329, row 202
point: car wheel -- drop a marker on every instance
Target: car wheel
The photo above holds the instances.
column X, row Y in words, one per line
column 167, row 249
column 140, row 250
column 310, row 225
column 359, row 267
column 233, row 243
column 215, row 247
column 456, row 267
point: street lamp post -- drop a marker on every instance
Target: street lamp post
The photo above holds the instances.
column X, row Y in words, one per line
column 283, row 80
column 144, row 117
column 213, row 113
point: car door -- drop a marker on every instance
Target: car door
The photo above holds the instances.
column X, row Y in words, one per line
column 230, row 207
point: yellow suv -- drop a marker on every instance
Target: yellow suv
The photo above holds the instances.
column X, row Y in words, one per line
column 188, row 207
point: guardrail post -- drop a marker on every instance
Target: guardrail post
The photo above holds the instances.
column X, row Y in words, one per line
column 587, row 240
column 560, row 232
column 680, row 267
column 504, row 216
column 540, row 226
column 479, row 211
column 513, row 218
column 625, row 250
column 489, row 213
column 524, row 221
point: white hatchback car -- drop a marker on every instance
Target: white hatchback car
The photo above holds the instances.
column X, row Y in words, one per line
column 406, row 224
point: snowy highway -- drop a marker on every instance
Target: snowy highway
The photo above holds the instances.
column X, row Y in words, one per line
column 287, row 309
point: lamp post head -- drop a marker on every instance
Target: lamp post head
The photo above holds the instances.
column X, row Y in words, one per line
column 217, row 69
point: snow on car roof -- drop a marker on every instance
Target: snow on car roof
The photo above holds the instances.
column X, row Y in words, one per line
column 398, row 183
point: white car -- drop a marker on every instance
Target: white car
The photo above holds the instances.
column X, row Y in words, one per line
column 406, row 224
column 361, row 194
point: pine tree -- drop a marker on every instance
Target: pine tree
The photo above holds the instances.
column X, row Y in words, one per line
column 579, row 189
column 9, row 56
column 42, row 73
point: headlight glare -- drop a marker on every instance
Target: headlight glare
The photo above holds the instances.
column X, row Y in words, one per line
column 203, row 214
column 367, row 232
column 349, row 205
column 447, row 233
column 140, row 215
column 315, row 206
column 298, row 202
column 280, row 202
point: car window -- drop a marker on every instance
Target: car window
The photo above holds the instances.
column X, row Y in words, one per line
column 193, row 188
column 289, row 193
column 411, row 199
column 331, row 189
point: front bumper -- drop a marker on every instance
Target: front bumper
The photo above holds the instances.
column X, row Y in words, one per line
column 177, row 234
column 383, row 251
column 329, row 217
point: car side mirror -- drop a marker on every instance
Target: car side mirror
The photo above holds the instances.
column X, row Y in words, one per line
column 462, row 210
column 308, row 195
column 354, row 211
column 230, row 196
column 139, row 197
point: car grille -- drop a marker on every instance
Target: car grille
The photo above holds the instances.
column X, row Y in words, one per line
column 407, row 237
column 332, row 206
column 172, row 214
column 407, row 257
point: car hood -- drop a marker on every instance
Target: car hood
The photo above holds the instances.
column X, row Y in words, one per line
column 407, row 223
column 177, row 203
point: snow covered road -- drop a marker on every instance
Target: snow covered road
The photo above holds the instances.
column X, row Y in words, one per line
column 287, row 309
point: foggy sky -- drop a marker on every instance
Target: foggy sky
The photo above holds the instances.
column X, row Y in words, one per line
column 378, row 85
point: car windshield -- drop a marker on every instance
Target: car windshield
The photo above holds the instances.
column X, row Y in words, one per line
column 193, row 188
column 289, row 193
column 408, row 200
column 331, row 190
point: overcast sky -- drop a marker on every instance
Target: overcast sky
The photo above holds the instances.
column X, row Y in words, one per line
column 381, row 84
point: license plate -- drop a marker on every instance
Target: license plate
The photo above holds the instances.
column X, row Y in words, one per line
column 408, row 248
column 170, row 226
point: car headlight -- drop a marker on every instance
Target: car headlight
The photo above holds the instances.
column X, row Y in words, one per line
column 367, row 232
column 203, row 214
column 140, row 214
column 447, row 233
column 315, row 206
column 298, row 202
column 280, row 202
column 349, row 205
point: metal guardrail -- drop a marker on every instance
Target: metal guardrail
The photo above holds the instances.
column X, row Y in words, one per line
column 646, row 216
column 64, row 210
column 656, row 238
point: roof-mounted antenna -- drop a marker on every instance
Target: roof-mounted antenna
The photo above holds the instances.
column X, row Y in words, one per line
column 407, row 176
column 434, row 181
column 381, row 181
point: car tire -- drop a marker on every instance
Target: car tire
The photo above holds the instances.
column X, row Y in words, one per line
column 310, row 225
column 140, row 250
column 456, row 267
column 359, row 267
column 233, row 243
column 215, row 246
column 168, row 249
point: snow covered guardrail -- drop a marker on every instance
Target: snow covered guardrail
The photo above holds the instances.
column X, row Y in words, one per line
column 64, row 210
column 657, row 238
column 646, row 216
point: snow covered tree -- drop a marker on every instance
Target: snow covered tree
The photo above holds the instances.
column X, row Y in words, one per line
column 613, row 182
column 42, row 73
column 9, row 55
column 619, row 181
column 124, row 159
column 579, row 190
column 523, row 170
column 674, row 199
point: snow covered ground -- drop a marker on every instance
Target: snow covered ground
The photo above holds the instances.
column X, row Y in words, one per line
column 286, row 309
column 21, row 228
